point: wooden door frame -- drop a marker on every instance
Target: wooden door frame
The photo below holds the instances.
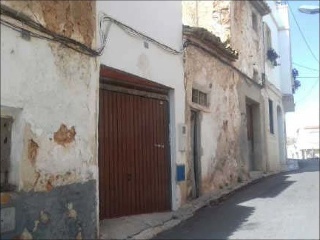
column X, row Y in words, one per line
column 115, row 77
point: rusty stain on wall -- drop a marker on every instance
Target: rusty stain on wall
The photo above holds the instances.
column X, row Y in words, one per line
column 5, row 198
column 49, row 186
column 32, row 151
column 36, row 179
column 64, row 135
column 46, row 181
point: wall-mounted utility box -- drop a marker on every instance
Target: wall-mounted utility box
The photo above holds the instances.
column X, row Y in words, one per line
column 181, row 176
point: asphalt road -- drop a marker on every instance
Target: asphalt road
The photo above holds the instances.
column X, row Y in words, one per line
column 282, row 206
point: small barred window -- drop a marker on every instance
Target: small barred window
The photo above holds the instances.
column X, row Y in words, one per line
column 199, row 97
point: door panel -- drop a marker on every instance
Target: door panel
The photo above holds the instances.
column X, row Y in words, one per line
column 134, row 166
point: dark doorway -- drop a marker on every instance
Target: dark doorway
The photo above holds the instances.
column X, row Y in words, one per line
column 195, row 143
column 250, row 136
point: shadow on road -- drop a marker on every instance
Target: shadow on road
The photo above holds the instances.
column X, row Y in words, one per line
column 220, row 221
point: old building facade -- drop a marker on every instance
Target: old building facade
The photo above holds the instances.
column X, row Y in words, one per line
column 116, row 110
column 279, row 85
column 49, row 115
column 250, row 109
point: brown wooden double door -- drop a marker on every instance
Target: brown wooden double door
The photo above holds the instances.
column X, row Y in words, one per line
column 134, row 166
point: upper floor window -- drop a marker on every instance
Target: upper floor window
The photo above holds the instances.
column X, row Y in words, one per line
column 254, row 21
column 199, row 97
column 268, row 37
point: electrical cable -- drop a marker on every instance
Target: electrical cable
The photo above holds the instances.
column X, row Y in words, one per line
column 308, row 92
column 299, row 65
column 36, row 35
column 307, row 77
column 49, row 35
column 134, row 33
column 305, row 40
column 71, row 43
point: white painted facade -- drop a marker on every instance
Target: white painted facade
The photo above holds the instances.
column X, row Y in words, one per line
column 161, row 21
column 279, row 82
column 278, row 22
column 44, row 85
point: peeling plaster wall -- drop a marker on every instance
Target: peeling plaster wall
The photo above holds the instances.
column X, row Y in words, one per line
column 211, row 15
column 160, row 20
column 220, row 123
column 52, row 93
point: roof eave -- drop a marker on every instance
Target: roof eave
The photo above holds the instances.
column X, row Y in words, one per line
column 261, row 6
column 211, row 41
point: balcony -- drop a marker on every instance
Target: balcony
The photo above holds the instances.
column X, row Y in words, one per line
column 288, row 103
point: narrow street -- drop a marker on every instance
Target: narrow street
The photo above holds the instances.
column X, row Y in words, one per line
column 283, row 206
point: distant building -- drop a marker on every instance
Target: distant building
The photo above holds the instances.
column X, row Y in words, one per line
column 307, row 144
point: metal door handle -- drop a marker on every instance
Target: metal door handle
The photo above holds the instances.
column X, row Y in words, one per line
column 159, row 145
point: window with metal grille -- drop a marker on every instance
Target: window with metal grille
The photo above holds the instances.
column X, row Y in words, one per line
column 199, row 97
column 6, row 126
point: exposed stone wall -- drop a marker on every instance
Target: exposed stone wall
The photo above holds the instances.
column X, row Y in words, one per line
column 73, row 19
column 223, row 19
column 247, row 41
column 211, row 15
column 220, row 123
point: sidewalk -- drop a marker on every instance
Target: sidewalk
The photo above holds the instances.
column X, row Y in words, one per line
column 292, row 164
column 146, row 226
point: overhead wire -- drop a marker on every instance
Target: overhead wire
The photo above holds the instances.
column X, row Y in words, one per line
column 44, row 33
column 307, row 77
column 134, row 33
column 308, row 92
column 300, row 65
column 305, row 40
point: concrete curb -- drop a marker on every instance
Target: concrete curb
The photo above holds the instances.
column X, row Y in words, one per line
column 189, row 209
